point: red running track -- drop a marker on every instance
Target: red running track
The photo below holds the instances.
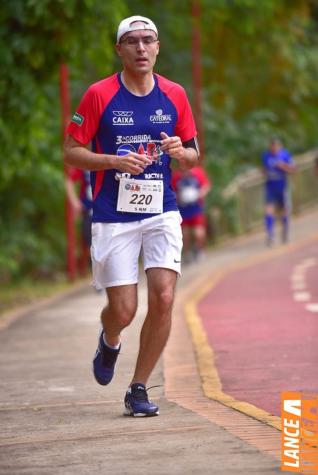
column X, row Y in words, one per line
column 264, row 340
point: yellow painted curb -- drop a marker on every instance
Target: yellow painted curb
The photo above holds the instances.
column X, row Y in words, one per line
column 211, row 383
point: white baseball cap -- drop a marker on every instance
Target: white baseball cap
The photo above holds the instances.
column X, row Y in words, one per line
column 127, row 25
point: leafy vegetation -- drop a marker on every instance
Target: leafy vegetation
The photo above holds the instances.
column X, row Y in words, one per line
column 35, row 37
column 259, row 70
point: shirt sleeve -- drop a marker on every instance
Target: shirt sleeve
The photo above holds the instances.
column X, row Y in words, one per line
column 74, row 174
column 185, row 126
column 264, row 160
column 200, row 175
column 176, row 175
column 288, row 158
column 203, row 177
column 85, row 121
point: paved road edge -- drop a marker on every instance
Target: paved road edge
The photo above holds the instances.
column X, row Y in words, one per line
column 10, row 316
column 210, row 380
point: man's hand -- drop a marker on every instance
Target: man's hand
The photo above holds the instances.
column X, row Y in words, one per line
column 79, row 156
column 286, row 167
column 133, row 163
column 172, row 146
column 71, row 193
column 187, row 157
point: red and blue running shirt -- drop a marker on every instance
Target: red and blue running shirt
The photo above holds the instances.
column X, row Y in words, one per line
column 195, row 178
column 83, row 178
column 275, row 177
column 116, row 122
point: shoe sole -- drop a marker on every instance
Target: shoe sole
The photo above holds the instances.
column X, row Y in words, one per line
column 128, row 412
column 100, row 381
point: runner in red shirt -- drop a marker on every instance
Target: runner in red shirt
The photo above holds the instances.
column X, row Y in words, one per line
column 191, row 187
column 81, row 202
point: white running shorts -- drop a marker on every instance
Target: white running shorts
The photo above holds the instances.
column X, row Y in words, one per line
column 116, row 248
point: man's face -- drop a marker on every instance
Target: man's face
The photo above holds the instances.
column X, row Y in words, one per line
column 275, row 147
column 138, row 50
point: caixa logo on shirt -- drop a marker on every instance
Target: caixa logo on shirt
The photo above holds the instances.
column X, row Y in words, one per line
column 123, row 118
column 160, row 117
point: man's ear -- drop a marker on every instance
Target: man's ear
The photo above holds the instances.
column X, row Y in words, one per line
column 118, row 49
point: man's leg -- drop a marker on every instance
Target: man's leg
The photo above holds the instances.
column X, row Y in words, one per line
column 162, row 245
column 199, row 233
column 121, row 309
column 187, row 251
column 115, row 250
column 156, row 327
column 269, row 222
column 285, row 206
column 285, row 224
column 153, row 337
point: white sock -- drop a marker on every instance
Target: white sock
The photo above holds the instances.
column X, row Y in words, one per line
column 116, row 347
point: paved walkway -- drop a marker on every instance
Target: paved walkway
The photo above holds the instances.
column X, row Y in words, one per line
column 267, row 330
column 56, row 420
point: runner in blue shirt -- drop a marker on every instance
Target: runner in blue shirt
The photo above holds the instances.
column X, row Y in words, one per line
column 277, row 164
column 136, row 122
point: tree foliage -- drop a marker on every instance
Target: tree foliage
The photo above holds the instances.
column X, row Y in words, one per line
column 35, row 37
column 259, row 70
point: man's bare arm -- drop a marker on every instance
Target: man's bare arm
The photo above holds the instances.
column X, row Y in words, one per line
column 79, row 156
column 286, row 167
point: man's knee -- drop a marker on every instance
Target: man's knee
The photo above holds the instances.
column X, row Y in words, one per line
column 269, row 209
column 162, row 300
column 123, row 312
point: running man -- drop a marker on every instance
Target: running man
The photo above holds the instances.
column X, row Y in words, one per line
column 277, row 164
column 192, row 187
column 137, row 122
column 81, row 202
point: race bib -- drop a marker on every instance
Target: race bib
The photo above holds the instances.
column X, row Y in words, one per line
column 140, row 196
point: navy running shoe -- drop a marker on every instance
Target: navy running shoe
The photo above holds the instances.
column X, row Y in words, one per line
column 137, row 403
column 104, row 362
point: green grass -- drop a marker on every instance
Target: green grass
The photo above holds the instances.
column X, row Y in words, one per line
column 17, row 294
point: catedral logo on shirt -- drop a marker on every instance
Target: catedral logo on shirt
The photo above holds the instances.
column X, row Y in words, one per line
column 299, row 433
column 160, row 117
column 123, row 118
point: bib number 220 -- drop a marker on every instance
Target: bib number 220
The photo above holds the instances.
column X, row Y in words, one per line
column 140, row 199
column 140, row 196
